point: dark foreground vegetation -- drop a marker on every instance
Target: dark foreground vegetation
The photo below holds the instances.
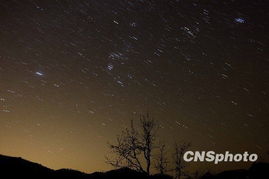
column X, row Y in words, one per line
column 12, row 167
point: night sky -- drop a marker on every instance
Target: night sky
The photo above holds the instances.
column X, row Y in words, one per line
column 73, row 73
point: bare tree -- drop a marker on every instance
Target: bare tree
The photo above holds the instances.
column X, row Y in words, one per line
column 127, row 150
column 134, row 146
column 148, row 137
column 161, row 160
column 178, row 157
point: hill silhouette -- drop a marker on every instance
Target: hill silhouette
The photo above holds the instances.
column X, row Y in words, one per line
column 256, row 171
column 16, row 167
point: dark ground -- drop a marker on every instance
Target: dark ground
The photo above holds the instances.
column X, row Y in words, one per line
column 12, row 167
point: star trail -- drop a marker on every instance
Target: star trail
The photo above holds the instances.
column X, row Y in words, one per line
column 74, row 73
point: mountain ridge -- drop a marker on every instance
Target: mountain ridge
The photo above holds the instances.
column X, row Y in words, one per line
column 17, row 167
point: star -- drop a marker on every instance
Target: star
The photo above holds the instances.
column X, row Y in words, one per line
column 39, row 73
column 239, row 20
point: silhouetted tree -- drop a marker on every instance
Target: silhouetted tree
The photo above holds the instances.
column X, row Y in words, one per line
column 148, row 137
column 161, row 160
column 134, row 146
column 178, row 159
